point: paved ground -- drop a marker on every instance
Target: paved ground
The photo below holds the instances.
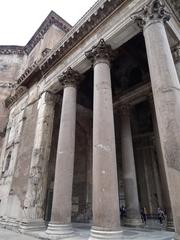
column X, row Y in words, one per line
column 10, row 235
column 82, row 233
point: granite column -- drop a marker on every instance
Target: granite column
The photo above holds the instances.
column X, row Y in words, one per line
column 60, row 223
column 164, row 185
column 129, row 170
column 166, row 95
column 176, row 55
column 106, row 219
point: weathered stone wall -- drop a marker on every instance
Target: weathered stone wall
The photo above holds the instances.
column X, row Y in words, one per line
column 19, row 141
column 9, row 152
column 9, row 70
column 19, row 183
column 12, row 66
column 50, row 39
column 14, row 181
column 21, row 174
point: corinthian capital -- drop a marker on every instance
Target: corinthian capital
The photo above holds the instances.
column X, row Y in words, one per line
column 176, row 53
column 155, row 10
column 100, row 51
column 69, row 78
column 124, row 109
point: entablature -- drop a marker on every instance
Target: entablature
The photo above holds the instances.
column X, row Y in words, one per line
column 82, row 37
column 175, row 6
column 9, row 50
column 51, row 19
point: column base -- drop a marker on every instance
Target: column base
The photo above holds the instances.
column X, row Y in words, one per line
column 133, row 222
column 177, row 236
column 3, row 222
column 170, row 226
column 100, row 233
column 9, row 223
column 30, row 225
column 56, row 230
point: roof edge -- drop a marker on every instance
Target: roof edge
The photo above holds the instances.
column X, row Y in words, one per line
column 11, row 49
column 52, row 18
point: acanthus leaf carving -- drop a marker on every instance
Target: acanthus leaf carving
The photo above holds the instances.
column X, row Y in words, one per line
column 155, row 10
column 124, row 109
column 69, row 77
column 100, row 51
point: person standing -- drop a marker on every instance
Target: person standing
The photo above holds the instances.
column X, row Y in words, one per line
column 122, row 212
column 144, row 215
column 161, row 215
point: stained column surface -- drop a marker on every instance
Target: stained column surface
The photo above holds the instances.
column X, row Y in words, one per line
column 176, row 54
column 105, row 184
column 62, row 193
column 166, row 95
column 165, row 191
column 129, row 171
column 105, row 202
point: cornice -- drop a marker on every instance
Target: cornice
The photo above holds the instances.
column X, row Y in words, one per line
column 9, row 85
column 31, row 70
column 9, row 50
column 94, row 18
column 12, row 99
column 51, row 19
column 79, row 33
column 175, row 6
column 49, row 60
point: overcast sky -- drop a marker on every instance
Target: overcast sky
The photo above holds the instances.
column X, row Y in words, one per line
column 19, row 19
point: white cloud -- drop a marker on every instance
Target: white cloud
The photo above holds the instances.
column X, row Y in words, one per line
column 19, row 19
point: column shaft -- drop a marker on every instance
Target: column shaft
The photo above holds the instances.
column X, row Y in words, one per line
column 61, row 208
column 176, row 54
column 165, row 191
column 166, row 94
column 105, row 188
column 165, row 86
column 129, row 171
column 178, row 69
column 62, row 194
column 106, row 219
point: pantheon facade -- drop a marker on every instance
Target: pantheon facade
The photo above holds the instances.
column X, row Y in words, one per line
column 90, row 121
